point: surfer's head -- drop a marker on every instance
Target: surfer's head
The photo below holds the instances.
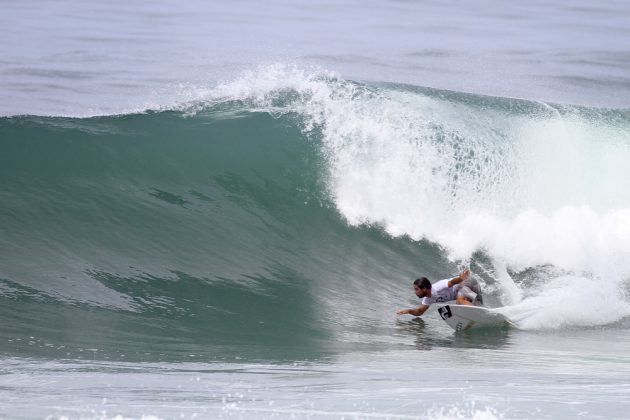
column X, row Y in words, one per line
column 422, row 287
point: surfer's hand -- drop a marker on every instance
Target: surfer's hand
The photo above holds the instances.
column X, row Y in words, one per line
column 464, row 274
column 402, row 312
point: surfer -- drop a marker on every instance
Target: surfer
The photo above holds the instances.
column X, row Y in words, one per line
column 462, row 289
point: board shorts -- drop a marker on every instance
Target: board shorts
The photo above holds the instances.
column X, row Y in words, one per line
column 471, row 290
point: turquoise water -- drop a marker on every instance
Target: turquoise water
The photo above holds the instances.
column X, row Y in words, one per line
column 229, row 234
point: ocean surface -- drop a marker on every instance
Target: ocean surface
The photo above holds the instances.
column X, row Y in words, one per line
column 215, row 209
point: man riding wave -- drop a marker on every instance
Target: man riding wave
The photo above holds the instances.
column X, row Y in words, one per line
column 463, row 289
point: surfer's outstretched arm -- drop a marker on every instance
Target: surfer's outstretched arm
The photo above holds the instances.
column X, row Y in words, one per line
column 414, row 311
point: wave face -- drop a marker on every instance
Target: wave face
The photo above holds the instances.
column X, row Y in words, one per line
column 291, row 208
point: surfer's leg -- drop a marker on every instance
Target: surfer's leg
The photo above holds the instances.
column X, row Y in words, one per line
column 470, row 291
column 461, row 300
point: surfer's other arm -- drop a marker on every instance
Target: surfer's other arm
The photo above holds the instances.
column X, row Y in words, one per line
column 414, row 311
column 456, row 280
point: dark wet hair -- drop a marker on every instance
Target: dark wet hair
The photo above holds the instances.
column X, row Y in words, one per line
column 423, row 283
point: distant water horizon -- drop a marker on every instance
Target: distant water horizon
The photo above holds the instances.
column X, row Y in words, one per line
column 81, row 59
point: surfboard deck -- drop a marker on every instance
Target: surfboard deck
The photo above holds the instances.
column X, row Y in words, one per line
column 465, row 317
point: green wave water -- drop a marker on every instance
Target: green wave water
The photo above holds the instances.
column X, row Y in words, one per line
column 284, row 218
column 166, row 236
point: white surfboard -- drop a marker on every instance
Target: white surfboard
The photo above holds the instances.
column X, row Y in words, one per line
column 464, row 317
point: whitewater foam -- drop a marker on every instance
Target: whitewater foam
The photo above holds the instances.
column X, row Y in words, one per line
column 528, row 184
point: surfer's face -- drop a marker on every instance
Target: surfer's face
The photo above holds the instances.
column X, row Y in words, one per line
column 420, row 292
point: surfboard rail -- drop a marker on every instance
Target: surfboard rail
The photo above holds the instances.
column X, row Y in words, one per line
column 465, row 317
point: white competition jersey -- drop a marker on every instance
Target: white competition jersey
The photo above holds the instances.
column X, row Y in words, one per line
column 440, row 292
